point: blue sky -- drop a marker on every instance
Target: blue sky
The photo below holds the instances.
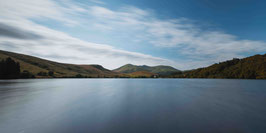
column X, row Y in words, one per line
column 185, row 34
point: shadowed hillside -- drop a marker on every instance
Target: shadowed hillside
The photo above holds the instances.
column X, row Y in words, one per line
column 253, row 67
column 45, row 68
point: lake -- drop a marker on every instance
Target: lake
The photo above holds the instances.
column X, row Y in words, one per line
column 132, row 106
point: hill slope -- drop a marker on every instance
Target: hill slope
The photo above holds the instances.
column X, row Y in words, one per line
column 36, row 65
column 161, row 70
column 142, row 74
column 253, row 67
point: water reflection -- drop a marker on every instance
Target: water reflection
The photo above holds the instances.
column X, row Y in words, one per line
column 132, row 105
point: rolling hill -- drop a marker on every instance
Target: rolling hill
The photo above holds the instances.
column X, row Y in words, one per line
column 36, row 66
column 253, row 67
column 160, row 70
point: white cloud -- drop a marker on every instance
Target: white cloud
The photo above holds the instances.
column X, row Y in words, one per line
column 40, row 9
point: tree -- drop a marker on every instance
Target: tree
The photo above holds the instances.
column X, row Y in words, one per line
column 79, row 76
column 9, row 69
column 26, row 74
column 51, row 73
column 42, row 74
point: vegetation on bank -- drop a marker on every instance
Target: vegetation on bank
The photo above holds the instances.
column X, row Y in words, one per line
column 253, row 67
column 9, row 69
column 143, row 74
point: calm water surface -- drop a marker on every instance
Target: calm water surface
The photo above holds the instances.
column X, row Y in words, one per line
column 132, row 106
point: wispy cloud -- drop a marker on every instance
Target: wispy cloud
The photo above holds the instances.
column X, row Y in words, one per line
column 200, row 47
column 187, row 38
column 12, row 32
column 27, row 37
column 97, row 1
column 54, row 44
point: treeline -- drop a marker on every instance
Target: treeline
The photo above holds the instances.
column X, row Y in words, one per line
column 9, row 69
column 115, row 76
column 253, row 67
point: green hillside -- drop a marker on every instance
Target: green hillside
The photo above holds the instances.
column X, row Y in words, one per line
column 41, row 67
column 253, row 67
column 161, row 70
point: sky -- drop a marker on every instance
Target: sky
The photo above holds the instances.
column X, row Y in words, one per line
column 185, row 34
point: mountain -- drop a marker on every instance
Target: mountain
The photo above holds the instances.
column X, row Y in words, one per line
column 253, row 67
column 129, row 68
column 41, row 67
column 161, row 70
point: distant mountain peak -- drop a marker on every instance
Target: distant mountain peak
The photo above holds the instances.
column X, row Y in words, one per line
column 161, row 69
